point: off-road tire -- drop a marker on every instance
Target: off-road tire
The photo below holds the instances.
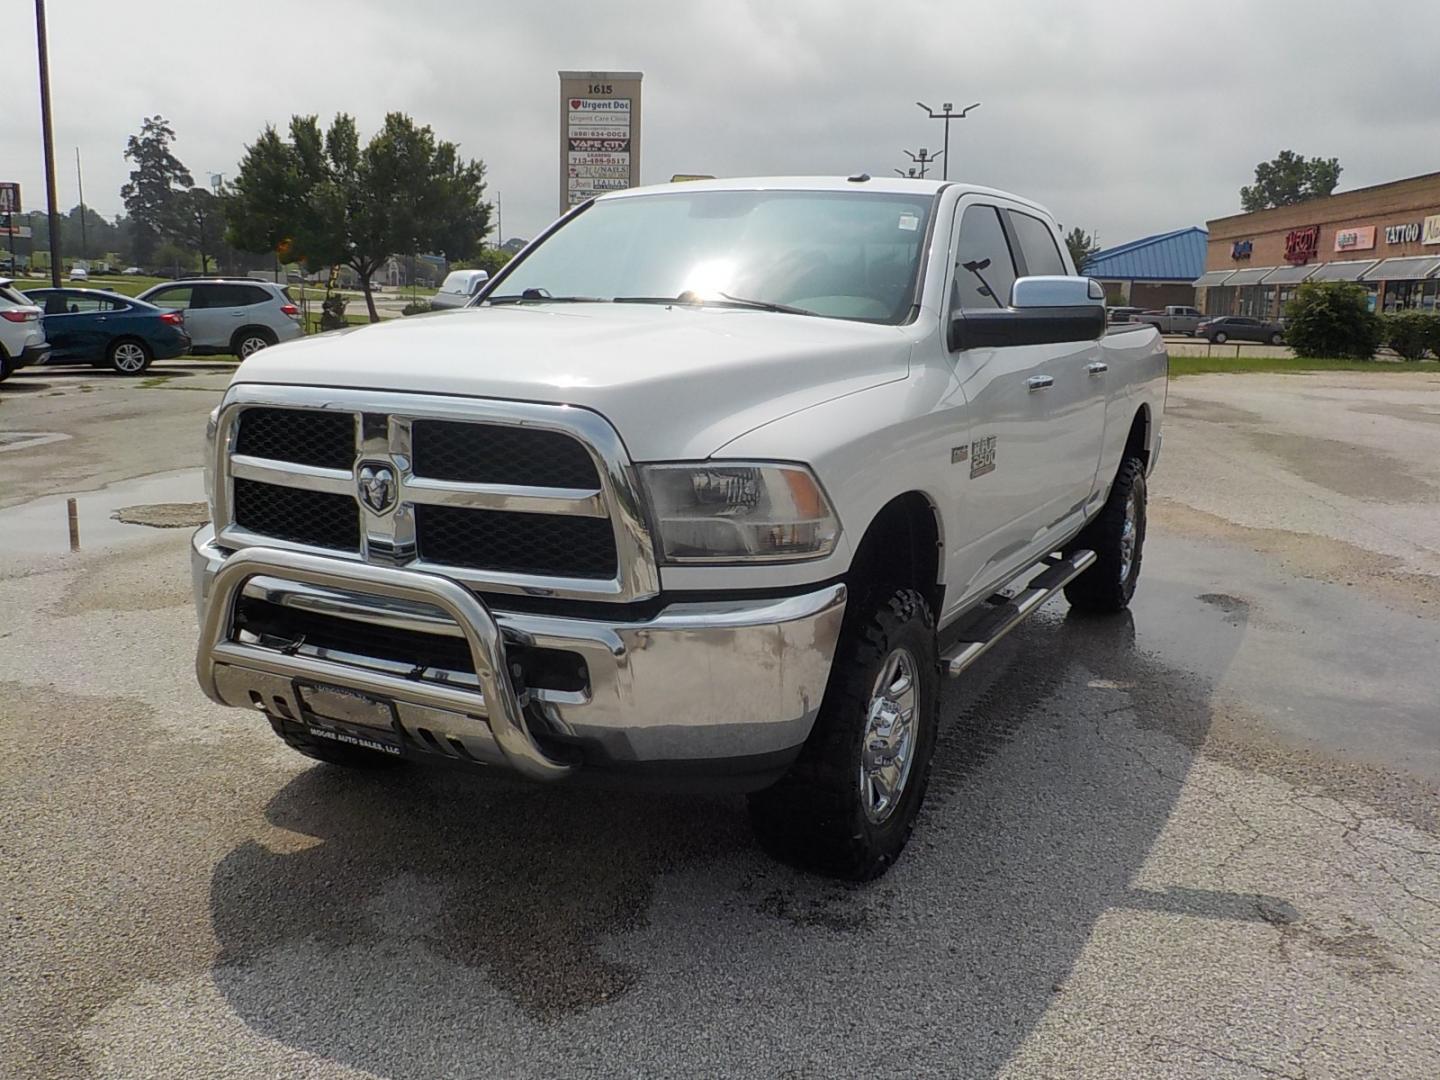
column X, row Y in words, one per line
column 1102, row 587
column 299, row 738
column 814, row 817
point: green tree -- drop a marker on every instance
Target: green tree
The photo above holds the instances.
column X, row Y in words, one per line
column 157, row 175
column 1082, row 245
column 1288, row 179
column 322, row 198
column 1332, row 318
column 196, row 219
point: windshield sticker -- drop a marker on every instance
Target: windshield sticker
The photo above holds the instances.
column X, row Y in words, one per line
column 909, row 222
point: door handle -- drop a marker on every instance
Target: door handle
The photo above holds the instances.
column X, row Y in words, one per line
column 1099, row 367
column 1039, row 382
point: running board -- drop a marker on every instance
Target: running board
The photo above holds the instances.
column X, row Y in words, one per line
column 1005, row 613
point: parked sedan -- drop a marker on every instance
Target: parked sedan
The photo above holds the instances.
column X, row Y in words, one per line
column 1222, row 328
column 91, row 326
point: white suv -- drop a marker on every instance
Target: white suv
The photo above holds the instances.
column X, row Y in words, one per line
column 22, row 331
column 230, row 315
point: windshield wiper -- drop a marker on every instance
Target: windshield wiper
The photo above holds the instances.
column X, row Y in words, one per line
column 688, row 297
column 542, row 296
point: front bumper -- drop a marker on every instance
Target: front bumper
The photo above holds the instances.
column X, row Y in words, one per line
column 720, row 689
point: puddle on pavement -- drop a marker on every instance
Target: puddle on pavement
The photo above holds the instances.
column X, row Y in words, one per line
column 165, row 500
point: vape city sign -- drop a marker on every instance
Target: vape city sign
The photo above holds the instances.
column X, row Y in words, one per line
column 1302, row 245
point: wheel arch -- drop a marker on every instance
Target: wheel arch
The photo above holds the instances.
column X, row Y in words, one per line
column 252, row 328
column 1138, row 442
column 903, row 545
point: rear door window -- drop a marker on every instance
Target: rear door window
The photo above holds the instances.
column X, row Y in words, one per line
column 984, row 268
column 173, row 298
column 1037, row 245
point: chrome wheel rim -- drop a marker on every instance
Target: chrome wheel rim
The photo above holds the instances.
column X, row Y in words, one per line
column 888, row 747
column 252, row 345
column 129, row 358
column 1127, row 536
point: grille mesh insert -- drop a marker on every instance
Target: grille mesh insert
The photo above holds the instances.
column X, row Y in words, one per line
column 495, row 454
column 516, row 543
column 320, row 437
column 302, row 517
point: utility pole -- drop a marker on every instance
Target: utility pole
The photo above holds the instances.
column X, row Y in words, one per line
column 80, row 183
column 499, row 224
column 42, row 46
column 947, row 114
column 924, row 159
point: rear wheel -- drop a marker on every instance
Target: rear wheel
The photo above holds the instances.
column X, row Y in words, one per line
column 5, row 368
column 128, row 356
column 848, row 805
column 1117, row 536
column 1277, row 338
column 251, row 340
column 1219, row 339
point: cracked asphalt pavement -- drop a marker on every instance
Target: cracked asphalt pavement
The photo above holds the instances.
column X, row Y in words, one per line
column 1200, row 840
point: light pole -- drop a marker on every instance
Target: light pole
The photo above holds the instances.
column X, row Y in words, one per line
column 49, row 139
column 924, row 159
column 947, row 113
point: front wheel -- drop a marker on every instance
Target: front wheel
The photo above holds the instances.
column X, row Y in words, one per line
column 1117, row 536
column 848, row 805
column 128, row 357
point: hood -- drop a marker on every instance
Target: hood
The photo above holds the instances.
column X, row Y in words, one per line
column 675, row 381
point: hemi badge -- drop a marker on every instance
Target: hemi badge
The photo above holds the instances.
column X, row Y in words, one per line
column 959, row 454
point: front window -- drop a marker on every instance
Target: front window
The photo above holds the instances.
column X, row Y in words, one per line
column 844, row 255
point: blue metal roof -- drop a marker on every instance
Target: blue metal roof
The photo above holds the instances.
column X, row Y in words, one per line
column 1171, row 256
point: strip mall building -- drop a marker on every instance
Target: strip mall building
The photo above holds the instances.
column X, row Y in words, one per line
column 1385, row 238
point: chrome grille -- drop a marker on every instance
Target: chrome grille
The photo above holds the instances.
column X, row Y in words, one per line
column 501, row 496
column 486, row 454
column 521, row 543
column 302, row 517
column 304, row 436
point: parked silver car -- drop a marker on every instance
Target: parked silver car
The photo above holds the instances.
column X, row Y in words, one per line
column 459, row 288
column 225, row 315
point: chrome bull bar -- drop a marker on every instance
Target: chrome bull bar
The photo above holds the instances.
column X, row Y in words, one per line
column 497, row 702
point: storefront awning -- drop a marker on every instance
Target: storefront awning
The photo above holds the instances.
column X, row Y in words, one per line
column 1412, row 268
column 1251, row 275
column 1211, row 278
column 1350, row 270
column 1289, row 275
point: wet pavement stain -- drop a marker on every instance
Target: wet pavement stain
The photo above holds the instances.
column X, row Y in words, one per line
column 43, row 526
column 1346, row 469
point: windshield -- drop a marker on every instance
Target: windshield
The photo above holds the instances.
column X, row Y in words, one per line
column 844, row 255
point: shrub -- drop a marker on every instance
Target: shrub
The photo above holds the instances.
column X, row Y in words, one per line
column 416, row 307
column 1411, row 333
column 1332, row 319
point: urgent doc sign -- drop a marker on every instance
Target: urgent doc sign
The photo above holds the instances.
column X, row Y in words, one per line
column 599, row 134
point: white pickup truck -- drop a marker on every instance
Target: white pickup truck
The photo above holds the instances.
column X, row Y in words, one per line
column 711, row 485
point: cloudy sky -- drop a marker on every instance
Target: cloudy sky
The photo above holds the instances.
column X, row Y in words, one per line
column 1126, row 118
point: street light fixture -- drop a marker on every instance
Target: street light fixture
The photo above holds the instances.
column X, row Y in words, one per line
column 947, row 113
column 924, row 159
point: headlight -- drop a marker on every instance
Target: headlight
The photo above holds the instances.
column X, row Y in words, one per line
column 212, row 427
column 727, row 511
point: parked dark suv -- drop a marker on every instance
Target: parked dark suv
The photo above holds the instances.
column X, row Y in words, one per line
column 1223, row 328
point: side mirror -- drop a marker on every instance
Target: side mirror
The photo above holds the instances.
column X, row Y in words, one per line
column 1043, row 311
column 480, row 281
